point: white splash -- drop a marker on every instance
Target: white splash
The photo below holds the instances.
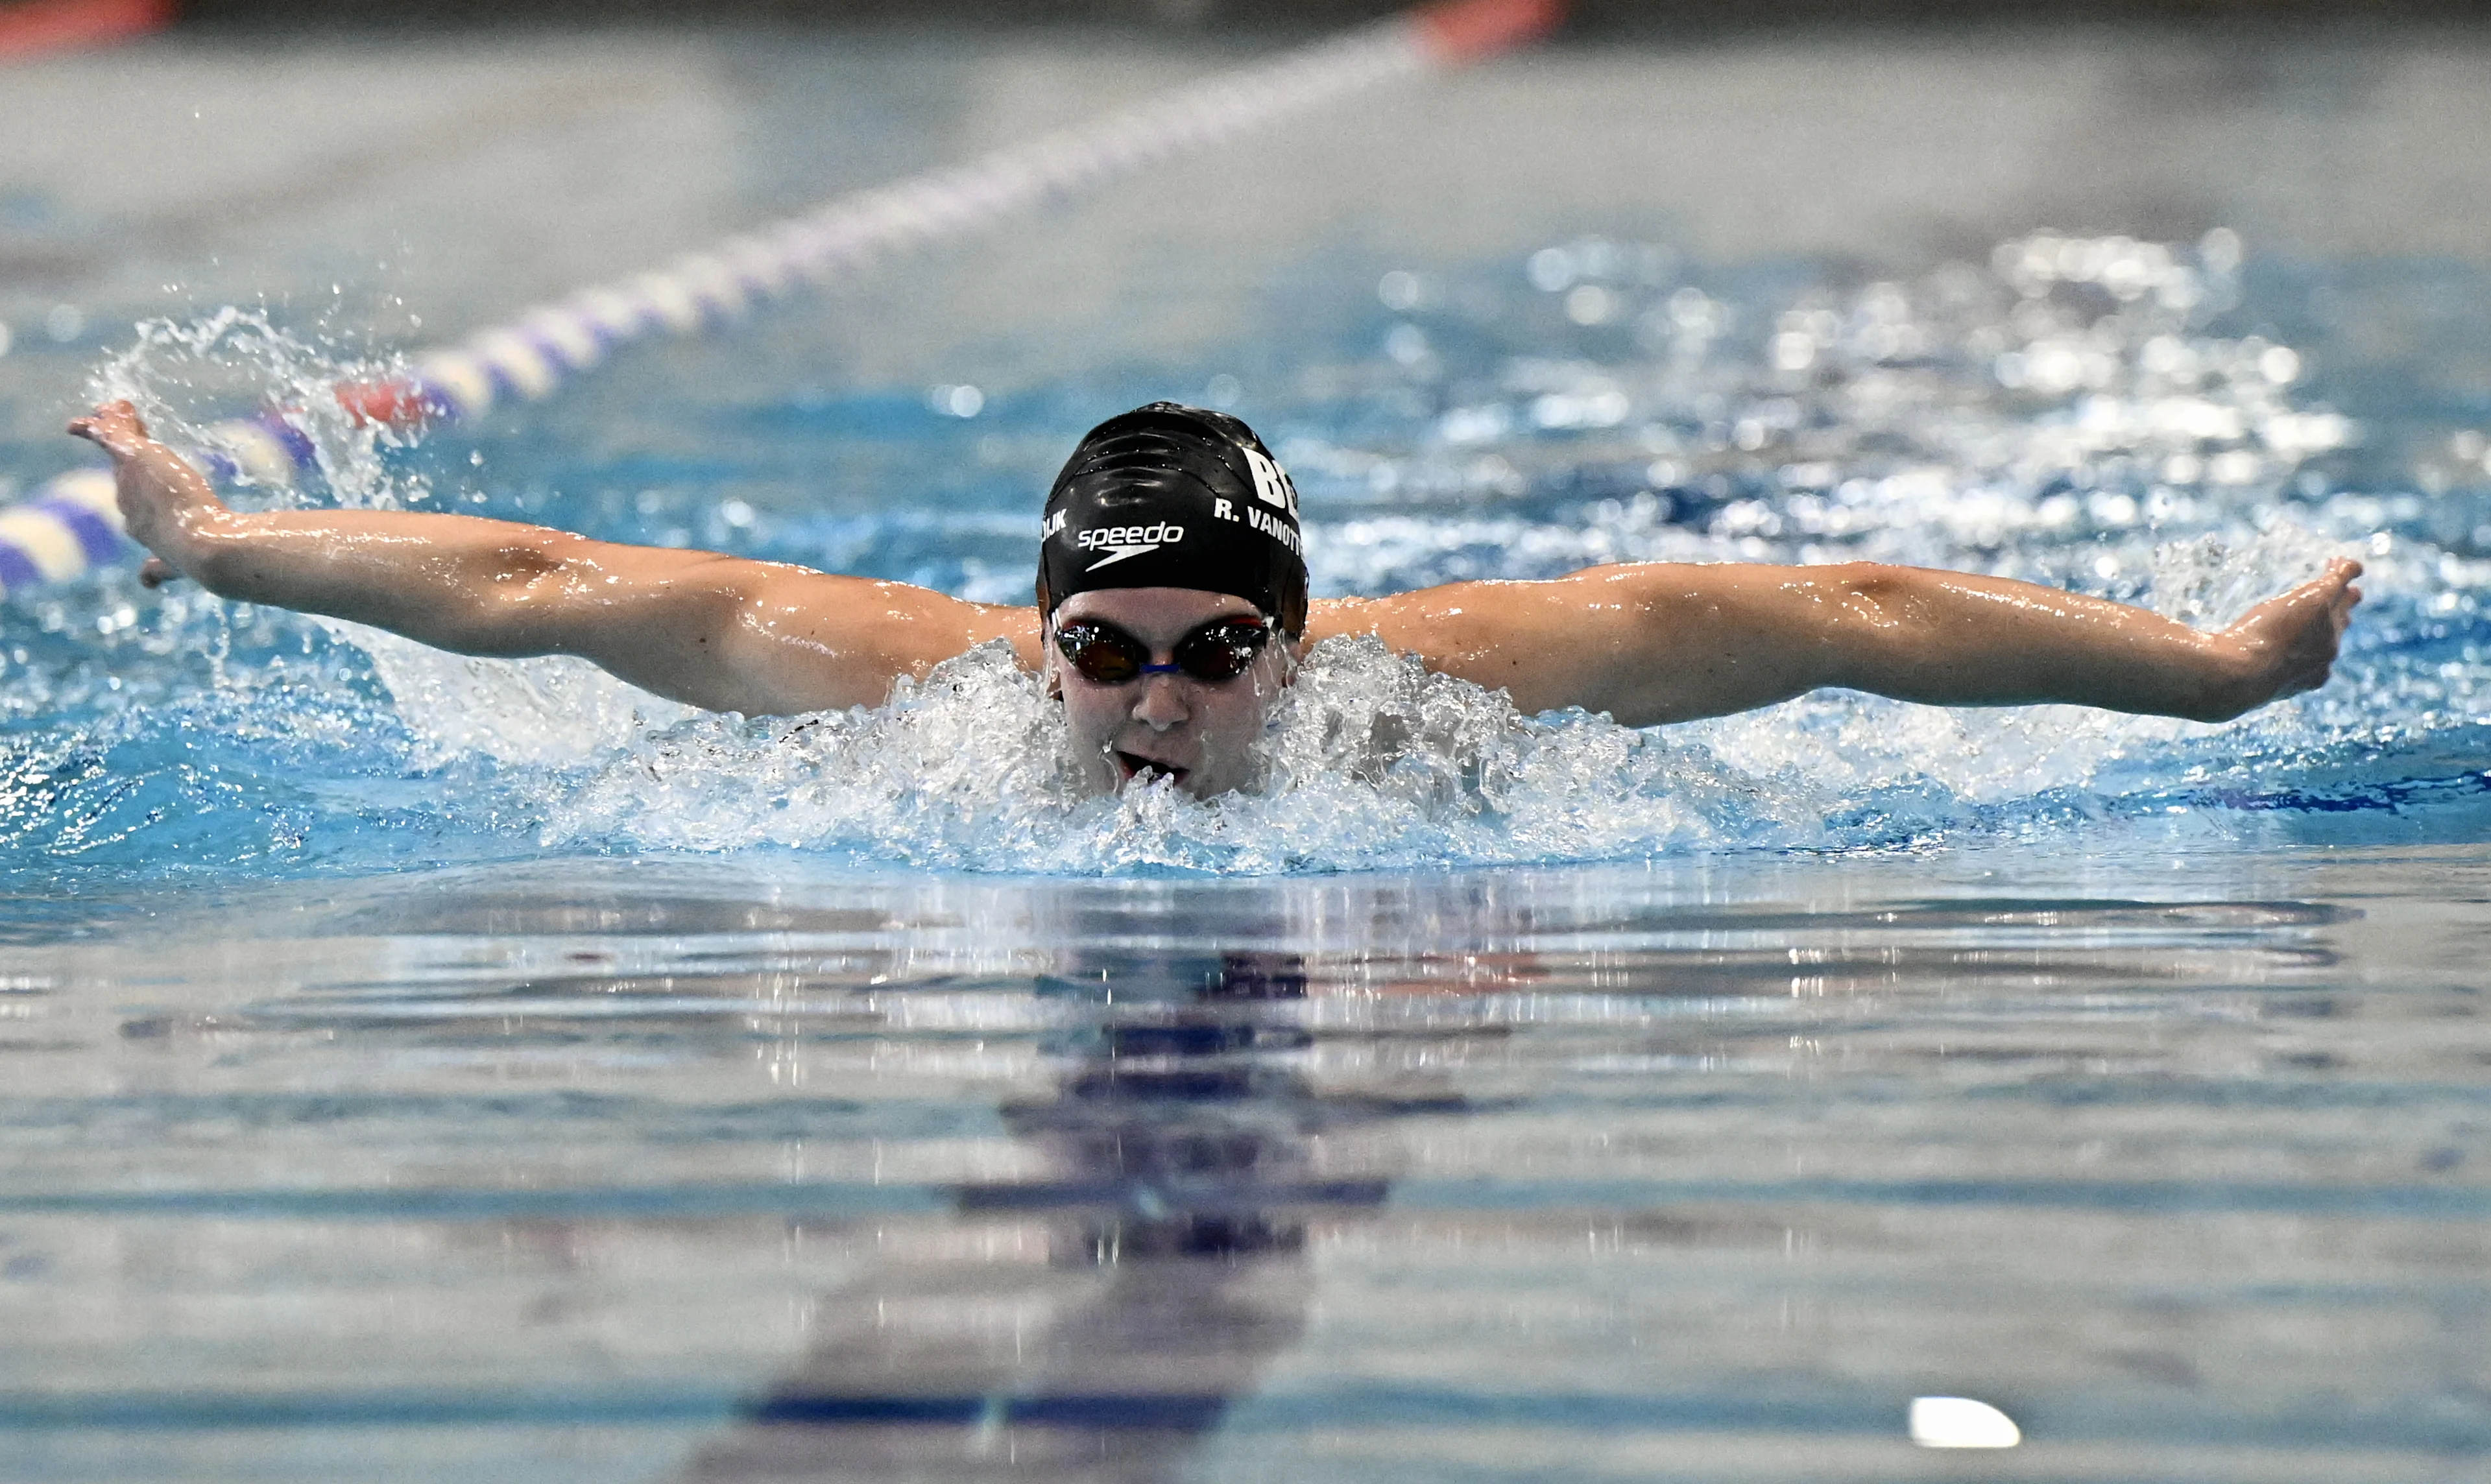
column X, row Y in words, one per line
column 556, row 712
column 1371, row 762
column 188, row 377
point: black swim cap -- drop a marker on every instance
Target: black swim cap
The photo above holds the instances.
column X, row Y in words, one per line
column 1169, row 496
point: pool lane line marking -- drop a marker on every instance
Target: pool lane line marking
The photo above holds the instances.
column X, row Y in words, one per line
column 528, row 355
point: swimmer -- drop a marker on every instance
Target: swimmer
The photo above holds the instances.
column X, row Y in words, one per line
column 1172, row 606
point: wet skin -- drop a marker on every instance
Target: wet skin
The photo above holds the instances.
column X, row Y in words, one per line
column 1196, row 733
column 1646, row 643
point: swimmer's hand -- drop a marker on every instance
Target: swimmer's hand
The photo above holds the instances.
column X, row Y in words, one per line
column 711, row 631
column 165, row 504
column 2287, row 644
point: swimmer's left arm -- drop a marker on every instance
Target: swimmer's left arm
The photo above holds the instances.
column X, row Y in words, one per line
column 1660, row 642
column 709, row 629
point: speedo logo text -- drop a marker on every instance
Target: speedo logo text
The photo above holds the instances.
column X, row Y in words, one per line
column 1122, row 542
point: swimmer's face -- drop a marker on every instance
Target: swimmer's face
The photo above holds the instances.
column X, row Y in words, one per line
column 1197, row 732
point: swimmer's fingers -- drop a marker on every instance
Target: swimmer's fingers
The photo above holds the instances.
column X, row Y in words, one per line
column 2296, row 635
column 2342, row 570
column 2331, row 592
column 155, row 572
column 114, row 425
column 2334, row 588
column 110, row 420
column 2337, row 578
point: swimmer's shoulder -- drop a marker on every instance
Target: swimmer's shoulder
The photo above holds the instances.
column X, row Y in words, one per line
column 1547, row 642
column 1462, row 614
column 1434, row 624
column 1493, row 609
column 1014, row 623
column 896, row 627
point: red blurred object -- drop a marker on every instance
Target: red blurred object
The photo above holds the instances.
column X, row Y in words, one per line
column 1467, row 30
column 32, row 27
column 391, row 404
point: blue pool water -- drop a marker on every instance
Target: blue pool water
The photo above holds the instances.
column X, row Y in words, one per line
column 415, row 1068
column 2158, row 423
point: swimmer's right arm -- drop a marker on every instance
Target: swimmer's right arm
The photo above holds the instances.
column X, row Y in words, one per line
column 710, row 630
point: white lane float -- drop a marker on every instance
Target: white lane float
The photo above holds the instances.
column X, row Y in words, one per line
column 71, row 524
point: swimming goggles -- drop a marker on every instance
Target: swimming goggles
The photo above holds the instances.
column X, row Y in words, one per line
column 1215, row 654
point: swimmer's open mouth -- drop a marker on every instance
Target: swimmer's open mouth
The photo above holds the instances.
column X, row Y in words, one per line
column 1134, row 767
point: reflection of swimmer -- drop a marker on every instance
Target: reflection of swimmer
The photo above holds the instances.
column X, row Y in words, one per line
column 1170, row 1201
column 1172, row 602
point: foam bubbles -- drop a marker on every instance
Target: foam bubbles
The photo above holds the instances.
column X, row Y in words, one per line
column 550, row 713
column 965, row 766
column 1370, row 762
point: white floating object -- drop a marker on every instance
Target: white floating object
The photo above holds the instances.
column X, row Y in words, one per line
column 523, row 364
column 570, row 334
column 255, row 451
column 46, row 541
column 759, row 262
column 612, row 314
column 89, row 487
column 666, row 297
column 1960, row 1422
column 533, row 351
column 460, row 378
column 713, row 284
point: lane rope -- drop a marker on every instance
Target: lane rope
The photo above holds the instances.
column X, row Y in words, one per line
column 71, row 523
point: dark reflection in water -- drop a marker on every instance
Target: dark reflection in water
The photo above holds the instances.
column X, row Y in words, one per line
column 614, row 1172
column 1174, row 1263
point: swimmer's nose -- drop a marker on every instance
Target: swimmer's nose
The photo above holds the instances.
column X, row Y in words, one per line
column 1161, row 703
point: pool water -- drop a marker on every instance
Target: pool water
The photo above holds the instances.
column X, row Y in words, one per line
column 422, row 1067
column 2129, row 419
column 1694, row 1168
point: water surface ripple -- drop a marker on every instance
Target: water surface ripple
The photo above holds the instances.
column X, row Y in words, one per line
column 675, row 1169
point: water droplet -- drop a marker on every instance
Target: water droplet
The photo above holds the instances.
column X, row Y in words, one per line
column 1550, row 269
column 1589, row 304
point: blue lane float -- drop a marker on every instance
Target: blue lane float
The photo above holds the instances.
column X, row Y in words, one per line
column 71, row 524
